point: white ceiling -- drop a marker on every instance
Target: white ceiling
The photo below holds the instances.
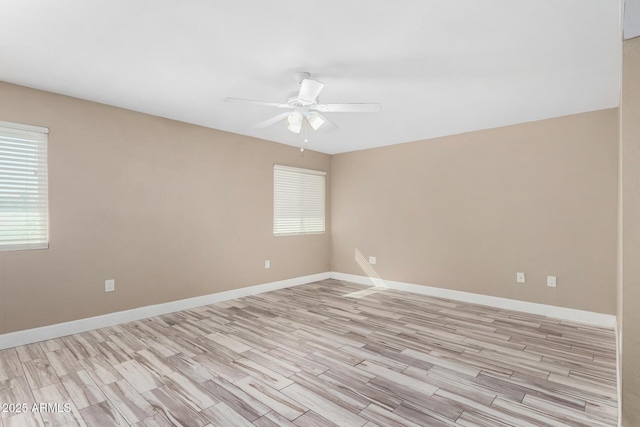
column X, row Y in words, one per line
column 438, row 67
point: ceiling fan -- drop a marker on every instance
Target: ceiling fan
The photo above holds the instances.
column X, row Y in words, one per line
column 306, row 110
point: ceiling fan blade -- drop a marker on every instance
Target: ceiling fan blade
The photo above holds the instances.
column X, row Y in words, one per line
column 271, row 121
column 310, row 89
column 328, row 124
column 348, row 108
column 253, row 101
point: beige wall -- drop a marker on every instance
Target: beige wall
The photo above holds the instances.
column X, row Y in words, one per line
column 630, row 313
column 168, row 210
column 467, row 212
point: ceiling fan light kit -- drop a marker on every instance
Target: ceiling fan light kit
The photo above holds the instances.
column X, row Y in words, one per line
column 315, row 120
column 307, row 109
column 295, row 122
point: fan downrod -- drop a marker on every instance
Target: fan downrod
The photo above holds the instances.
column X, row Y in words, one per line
column 301, row 75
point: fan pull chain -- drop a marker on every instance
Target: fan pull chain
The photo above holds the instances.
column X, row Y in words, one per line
column 304, row 135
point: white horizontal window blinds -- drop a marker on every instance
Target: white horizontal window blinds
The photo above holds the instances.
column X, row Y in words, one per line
column 24, row 211
column 298, row 201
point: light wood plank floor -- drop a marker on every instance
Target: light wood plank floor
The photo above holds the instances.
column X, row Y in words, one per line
column 323, row 354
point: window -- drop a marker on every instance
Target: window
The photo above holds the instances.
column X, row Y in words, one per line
column 298, row 201
column 24, row 211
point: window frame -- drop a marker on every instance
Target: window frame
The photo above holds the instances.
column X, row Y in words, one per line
column 306, row 207
column 38, row 138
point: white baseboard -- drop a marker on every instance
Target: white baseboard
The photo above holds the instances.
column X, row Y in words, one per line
column 29, row 336
column 588, row 317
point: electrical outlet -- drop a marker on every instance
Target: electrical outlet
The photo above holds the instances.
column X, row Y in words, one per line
column 520, row 277
column 372, row 260
column 551, row 281
column 109, row 285
column 267, row 264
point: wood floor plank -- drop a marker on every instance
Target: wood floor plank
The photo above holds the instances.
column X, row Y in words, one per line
column 453, row 381
column 221, row 368
column 241, row 402
column 103, row 414
column 142, row 379
column 29, row 352
column 63, row 362
column 277, row 365
column 63, row 412
column 10, row 366
column 173, row 408
column 17, row 391
column 523, row 412
column 472, row 419
column 311, row 419
column 300, row 363
column 282, row 404
column 79, row 346
column 82, row 389
column 365, row 390
column 563, row 412
column 189, row 391
column 273, row 419
column 434, row 412
column 229, row 342
column 445, row 360
column 348, row 399
column 385, row 417
column 157, row 420
column 324, row 407
column 189, row 367
column 100, row 370
column 222, row 414
column 414, row 387
column 262, row 373
column 25, row 419
column 128, row 401
column 39, row 373
column 152, row 362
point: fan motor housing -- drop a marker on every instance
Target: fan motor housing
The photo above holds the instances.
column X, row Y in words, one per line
column 293, row 101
